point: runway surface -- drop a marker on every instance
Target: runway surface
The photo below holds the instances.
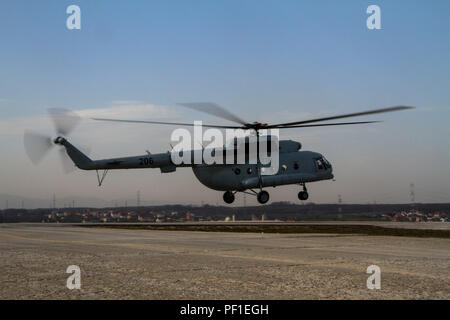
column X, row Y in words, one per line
column 149, row 264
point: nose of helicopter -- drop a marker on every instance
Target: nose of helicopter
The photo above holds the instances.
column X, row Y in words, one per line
column 328, row 167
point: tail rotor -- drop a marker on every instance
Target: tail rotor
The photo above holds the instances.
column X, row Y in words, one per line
column 37, row 145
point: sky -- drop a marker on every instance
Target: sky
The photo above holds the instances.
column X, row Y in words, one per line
column 265, row 61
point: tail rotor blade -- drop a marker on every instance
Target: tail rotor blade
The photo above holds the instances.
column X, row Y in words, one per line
column 64, row 120
column 67, row 164
column 36, row 146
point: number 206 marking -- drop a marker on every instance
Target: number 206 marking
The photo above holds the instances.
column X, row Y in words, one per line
column 145, row 161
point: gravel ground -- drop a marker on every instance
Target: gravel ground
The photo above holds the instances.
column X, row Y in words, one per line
column 142, row 264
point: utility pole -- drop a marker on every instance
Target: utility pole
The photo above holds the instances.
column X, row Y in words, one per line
column 138, row 201
column 54, row 201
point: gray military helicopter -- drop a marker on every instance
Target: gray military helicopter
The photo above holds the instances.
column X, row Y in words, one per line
column 295, row 166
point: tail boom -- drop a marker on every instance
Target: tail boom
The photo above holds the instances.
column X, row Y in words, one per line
column 161, row 160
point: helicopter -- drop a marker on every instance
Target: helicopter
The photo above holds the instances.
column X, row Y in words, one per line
column 295, row 166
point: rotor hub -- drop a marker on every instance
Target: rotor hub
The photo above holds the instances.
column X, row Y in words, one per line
column 256, row 125
column 59, row 140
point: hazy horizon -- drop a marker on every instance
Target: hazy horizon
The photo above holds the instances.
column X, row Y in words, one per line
column 15, row 203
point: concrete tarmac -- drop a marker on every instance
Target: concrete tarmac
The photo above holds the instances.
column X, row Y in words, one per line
column 150, row 264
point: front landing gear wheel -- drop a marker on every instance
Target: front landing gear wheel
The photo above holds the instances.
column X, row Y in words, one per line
column 303, row 195
column 228, row 197
column 263, row 197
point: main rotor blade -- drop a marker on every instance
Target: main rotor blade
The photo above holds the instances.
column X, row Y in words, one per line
column 36, row 145
column 326, row 124
column 356, row 114
column 213, row 109
column 166, row 123
column 64, row 120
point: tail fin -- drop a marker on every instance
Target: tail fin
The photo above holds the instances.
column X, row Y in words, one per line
column 79, row 158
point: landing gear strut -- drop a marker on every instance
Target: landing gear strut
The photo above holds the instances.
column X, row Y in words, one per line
column 228, row 197
column 303, row 195
column 263, row 197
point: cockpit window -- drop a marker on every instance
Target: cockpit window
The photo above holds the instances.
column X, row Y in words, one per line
column 322, row 164
column 319, row 164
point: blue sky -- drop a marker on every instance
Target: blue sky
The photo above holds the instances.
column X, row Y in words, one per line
column 246, row 54
column 263, row 60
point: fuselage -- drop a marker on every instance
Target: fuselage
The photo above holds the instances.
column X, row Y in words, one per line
column 295, row 167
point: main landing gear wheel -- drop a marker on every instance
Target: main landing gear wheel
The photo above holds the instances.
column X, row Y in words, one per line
column 228, row 197
column 303, row 195
column 263, row 197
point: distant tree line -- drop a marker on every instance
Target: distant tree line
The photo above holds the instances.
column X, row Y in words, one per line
column 276, row 210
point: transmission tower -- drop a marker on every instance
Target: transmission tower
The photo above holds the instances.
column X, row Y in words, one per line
column 411, row 193
column 339, row 208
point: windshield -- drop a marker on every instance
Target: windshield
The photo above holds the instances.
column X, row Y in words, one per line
column 322, row 164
